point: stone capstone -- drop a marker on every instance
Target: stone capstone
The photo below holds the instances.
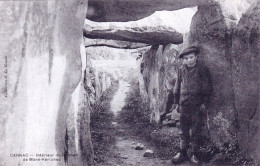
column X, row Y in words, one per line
column 132, row 33
column 131, row 10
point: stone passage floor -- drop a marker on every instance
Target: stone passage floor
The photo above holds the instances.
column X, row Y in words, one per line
column 125, row 153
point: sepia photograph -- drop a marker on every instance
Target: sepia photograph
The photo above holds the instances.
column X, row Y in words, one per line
column 130, row 82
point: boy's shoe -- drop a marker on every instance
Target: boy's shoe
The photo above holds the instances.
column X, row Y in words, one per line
column 194, row 160
column 179, row 158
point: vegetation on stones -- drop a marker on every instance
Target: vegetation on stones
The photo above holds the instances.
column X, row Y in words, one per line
column 135, row 114
column 102, row 129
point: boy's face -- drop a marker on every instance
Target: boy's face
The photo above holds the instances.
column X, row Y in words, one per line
column 190, row 59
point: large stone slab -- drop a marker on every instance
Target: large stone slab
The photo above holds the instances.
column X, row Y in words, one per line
column 246, row 70
column 137, row 33
column 113, row 44
column 210, row 30
column 40, row 44
column 159, row 71
column 131, row 10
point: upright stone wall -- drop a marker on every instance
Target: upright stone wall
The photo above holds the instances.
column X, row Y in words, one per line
column 96, row 82
column 159, row 71
column 246, row 70
column 40, row 43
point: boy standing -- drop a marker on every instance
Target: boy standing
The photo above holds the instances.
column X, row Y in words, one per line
column 192, row 91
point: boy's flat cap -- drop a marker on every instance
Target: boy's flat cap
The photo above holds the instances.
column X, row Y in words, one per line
column 188, row 50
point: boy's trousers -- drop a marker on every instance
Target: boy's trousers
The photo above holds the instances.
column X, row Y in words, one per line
column 191, row 118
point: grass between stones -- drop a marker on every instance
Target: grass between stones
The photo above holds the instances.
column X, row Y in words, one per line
column 135, row 115
column 102, row 130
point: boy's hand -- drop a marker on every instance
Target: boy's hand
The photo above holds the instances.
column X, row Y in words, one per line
column 203, row 107
column 176, row 106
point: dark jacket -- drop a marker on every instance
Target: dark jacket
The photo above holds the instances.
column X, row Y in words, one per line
column 193, row 85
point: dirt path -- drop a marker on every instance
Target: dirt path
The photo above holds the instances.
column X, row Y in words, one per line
column 125, row 153
column 128, row 156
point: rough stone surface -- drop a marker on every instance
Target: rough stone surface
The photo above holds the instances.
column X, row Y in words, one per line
column 148, row 34
column 96, row 82
column 40, row 41
column 130, row 10
column 139, row 146
column 246, row 69
column 113, row 44
column 148, row 153
column 159, row 71
column 125, row 157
